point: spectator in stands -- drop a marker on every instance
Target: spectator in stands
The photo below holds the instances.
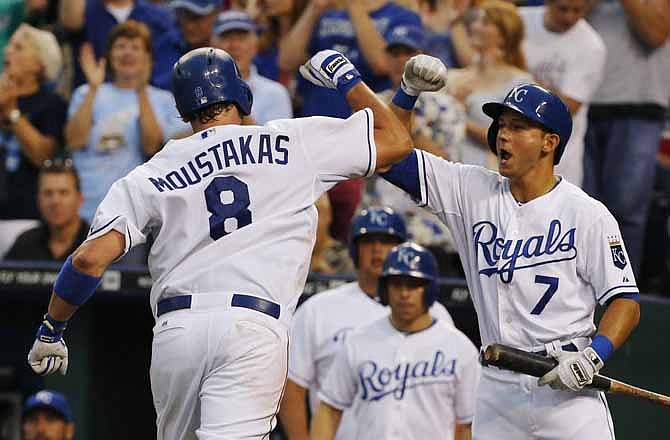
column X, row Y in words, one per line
column 59, row 199
column 357, row 32
column 236, row 33
column 31, row 117
column 42, row 14
column 195, row 21
column 277, row 18
column 627, row 111
column 496, row 37
column 91, row 21
column 113, row 127
column 438, row 126
column 551, row 34
column 445, row 29
column 438, row 123
column 47, row 416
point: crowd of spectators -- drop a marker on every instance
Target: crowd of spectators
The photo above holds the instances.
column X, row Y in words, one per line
column 84, row 96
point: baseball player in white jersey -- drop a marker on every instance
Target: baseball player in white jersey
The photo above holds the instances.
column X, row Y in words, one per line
column 539, row 256
column 408, row 375
column 322, row 323
column 230, row 210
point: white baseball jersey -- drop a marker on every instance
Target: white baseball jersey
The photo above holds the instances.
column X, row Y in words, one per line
column 535, row 271
column 552, row 58
column 231, row 208
column 321, row 325
column 404, row 386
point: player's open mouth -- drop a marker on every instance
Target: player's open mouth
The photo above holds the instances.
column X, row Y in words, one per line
column 504, row 155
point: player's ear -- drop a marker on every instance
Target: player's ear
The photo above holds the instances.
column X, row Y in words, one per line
column 550, row 142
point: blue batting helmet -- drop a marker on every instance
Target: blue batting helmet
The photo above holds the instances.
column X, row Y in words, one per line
column 410, row 260
column 375, row 220
column 207, row 76
column 537, row 104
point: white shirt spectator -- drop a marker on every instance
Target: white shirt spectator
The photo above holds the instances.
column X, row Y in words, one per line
column 572, row 63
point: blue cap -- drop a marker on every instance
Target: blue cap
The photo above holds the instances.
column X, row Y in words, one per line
column 48, row 400
column 234, row 21
column 409, row 36
column 199, row 7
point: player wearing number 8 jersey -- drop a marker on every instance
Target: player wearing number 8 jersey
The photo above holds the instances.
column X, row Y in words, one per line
column 230, row 210
column 539, row 256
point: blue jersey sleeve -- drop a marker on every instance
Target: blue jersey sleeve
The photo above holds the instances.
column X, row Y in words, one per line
column 405, row 175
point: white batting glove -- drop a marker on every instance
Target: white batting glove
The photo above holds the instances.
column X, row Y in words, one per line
column 49, row 352
column 574, row 370
column 423, row 73
column 332, row 70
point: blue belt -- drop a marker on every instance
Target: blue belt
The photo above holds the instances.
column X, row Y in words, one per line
column 567, row 347
column 247, row 301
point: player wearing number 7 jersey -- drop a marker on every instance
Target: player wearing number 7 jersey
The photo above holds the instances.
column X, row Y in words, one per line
column 539, row 255
column 231, row 213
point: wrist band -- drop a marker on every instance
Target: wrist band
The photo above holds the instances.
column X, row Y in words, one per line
column 603, row 346
column 403, row 100
column 344, row 84
column 56, row 326
column 74, row 287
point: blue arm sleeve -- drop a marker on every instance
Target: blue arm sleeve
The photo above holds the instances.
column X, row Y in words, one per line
column 405, row 175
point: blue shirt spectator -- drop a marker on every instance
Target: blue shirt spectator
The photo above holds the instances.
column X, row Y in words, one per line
column 92, row 20
column 113, row 127
column 195, row 19
column 114, row 147
column 336, row 31
column 237, row 33
column 352, row 32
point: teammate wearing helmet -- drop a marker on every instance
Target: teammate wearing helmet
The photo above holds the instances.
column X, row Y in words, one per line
column 406, row 376
column 539, row 255
column 322, row 323
column 231, row 213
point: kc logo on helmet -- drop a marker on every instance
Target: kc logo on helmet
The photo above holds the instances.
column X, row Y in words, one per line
column 409, row 258
column 379, row 218
column 519, row 94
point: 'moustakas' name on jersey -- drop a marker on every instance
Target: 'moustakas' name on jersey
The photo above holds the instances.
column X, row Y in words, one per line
column 535, row 271
column 231, row 208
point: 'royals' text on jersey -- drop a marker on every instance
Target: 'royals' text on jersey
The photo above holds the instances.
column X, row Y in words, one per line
column 390, row 379
column 231, row 208
column 535, row 271
column 322, row 324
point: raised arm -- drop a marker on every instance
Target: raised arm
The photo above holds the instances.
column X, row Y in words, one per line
column 370, row 41
column 293, row 46
column 331, row 69
column 71, row 14
column 650, row 19
column 79, row 124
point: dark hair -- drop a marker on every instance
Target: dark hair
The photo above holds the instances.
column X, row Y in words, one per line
column 209, row 113
column 60, row 166
column 129, row 29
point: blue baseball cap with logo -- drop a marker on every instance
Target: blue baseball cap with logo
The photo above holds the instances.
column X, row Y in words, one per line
column 408, row 36
column 234, row 21
column 198, row 7
column 50, row 400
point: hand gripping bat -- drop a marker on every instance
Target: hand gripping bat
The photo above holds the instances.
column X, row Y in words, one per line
column 509, row 358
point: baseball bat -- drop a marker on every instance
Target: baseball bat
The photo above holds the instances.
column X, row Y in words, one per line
column 510, row 358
